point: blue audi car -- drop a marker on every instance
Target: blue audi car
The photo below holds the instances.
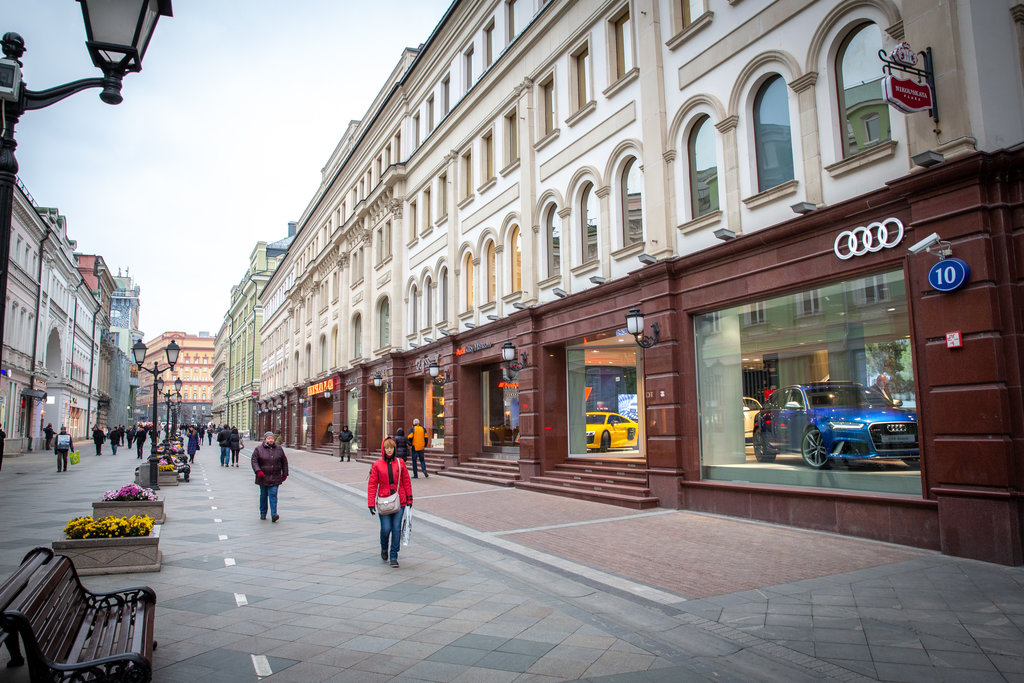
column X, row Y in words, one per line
column 835, row 421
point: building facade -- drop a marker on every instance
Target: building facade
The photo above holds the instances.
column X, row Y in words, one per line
column 219, row 402
column 195, row 369
column 535, row 171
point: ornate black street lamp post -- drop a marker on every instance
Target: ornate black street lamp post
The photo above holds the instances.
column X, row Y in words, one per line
column 117, row 35
column 139, row 352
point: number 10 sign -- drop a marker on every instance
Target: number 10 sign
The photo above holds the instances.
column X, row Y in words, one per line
column 949, row 274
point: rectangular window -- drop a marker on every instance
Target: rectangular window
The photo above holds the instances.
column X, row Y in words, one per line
column 416, row 131
column 518, row 17
column 442, row 195
column 547, row 103
column 430, row 113
column 467, row 60
column 581, row 78
column 788, row 402
column 380, row 245
column 511, row 136
column 622, row 32
column 467, row 173
column 387, row 240
column 413, row 232
column 428, row 216
column 398, row 146
column 487, row 152
column 488, row 45
column 604, row 386
column 446, row 89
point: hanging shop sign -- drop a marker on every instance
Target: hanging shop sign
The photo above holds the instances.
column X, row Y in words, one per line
column 873, row 237
column 913, row 94
column 472, row 348
column 321, row 387
column 949, row 274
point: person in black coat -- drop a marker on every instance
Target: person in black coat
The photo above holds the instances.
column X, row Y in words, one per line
column 235, row 441
column 98, row 437
column 131, row 435
column 224, row 441
column 48, row 433
column 140, row 438
column 402, row 449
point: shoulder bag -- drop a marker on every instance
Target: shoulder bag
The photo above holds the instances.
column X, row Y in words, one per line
column 388, row 505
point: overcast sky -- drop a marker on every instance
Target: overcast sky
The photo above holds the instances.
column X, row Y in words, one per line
column 219, row 141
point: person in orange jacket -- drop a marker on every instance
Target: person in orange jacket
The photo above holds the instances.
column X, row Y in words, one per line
column 389, row 474
column 417, row 442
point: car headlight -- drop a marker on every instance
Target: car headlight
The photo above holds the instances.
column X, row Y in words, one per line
column 845, row 425
column 590, row 434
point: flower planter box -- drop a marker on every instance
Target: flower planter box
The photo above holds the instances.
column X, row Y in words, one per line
column 127, row 508
column 112, row 555
column 162, row 478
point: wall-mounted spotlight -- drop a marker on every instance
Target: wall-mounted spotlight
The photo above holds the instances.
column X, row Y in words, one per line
column 470, row 326
column 508, row 355
column 492, row 317
column 804, row 207
column 559, row 292
column 646, row 259
column 598, row 280
column 928, row 158
column 445, row 333
column 428, row 340
column 635, row 326
column 725, row 234
column 519, row 306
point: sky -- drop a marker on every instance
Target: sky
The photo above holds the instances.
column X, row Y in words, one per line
column 220, row 139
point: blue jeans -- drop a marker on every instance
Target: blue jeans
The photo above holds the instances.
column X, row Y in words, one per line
column 113, row 447
column 391, row 525
column 418, row 455
column 225, row 455
column 269, row 493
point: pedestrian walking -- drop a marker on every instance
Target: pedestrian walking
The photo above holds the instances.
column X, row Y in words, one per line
column 202, row 433
column 224, row 441
column 112, row 435
column 209, row 436
column 131, row 435
column 390, row 473
column 345, row 443
column 140, row 438
column 193, row 444
column 63, row 447
column 48, row 434
column 236, row 444
column 401, row 445
column 98, row 437
column 417, row 443
column 271, row 467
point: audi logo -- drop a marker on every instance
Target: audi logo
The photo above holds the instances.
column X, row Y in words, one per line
column 865, row 239
column 897, row 428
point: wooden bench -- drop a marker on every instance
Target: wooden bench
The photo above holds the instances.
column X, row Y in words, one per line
column 70, row 633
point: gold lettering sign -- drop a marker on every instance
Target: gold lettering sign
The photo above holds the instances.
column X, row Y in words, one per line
column 320, row 387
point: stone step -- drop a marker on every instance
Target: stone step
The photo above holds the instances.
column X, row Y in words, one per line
column 634, row 502
column 477, row 475
column 624, row 489
column 597, row 477
column 639, row 474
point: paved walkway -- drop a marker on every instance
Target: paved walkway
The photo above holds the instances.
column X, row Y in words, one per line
column 508, row 585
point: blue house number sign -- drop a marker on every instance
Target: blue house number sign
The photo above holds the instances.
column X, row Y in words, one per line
column 949, row 274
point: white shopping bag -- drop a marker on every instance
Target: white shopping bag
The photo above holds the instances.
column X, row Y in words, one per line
column 406, row 526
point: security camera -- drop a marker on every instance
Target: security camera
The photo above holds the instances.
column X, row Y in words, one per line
column 925, row 244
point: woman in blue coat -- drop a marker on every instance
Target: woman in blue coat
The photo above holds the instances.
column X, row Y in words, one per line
column 193, row 444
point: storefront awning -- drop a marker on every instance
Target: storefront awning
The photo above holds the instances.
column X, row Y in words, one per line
column 33, row 393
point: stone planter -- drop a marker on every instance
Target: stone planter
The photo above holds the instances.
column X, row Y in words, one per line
column 162, row 478
column 127, row 508
column 112, row 555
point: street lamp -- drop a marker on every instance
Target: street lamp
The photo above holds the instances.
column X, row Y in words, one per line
column 167, row 399
column 382, row 381
column 118, row 33
column 139, row 353
column 439, row 376
column 635, row 326
column 508, row 354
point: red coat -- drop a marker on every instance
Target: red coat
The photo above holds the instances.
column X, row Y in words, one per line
column 379, row 478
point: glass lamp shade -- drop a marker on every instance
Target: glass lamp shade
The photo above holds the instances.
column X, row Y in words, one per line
column 172, row 353
column 139, row 353
column 118, row 31
column 434, row 369
column 635, row 321
column 177, row 385
column 377, row 380
column 508, row 351
column 160, row 385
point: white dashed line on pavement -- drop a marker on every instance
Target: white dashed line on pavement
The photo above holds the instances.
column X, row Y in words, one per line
column 229, row 562
column 262, row 666
column 241, row 600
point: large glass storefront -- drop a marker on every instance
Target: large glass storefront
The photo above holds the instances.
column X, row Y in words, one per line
column 433, row 418
column 352, row 416
column 604, row 389
column 814, row 388
column 500, row 392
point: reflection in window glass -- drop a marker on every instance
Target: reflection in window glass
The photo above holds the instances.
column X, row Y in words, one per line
column 703, row 168
column 588, row 222
column 517, row 260
column 352, row 410
column 812, row 389
column 632, row 204
column 433, row 420
column 772, row 138
column 500, row 392
column 603, row 398
column 861, row 103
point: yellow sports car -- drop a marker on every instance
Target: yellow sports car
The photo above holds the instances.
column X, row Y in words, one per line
column 611, row 430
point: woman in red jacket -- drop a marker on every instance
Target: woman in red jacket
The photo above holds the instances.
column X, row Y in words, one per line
column 388, row 475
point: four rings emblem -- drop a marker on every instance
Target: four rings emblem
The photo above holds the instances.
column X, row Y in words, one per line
column 865, row 239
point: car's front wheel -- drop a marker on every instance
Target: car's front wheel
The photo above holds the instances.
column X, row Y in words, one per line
column 761, row 450
column 606, row 441
column 812, row 447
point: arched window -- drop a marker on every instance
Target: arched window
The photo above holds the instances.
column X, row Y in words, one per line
column 492, row 273
column 516, row 258
column 588, row 212
column 703, row 167
column 428, row 300
column 309, row 360
column 335, row 361
column 414, row 305
column 467, row 275
column 862, row 109
column 773, row 141
column 553, row 233
column 384, row 323
column 357, row 336
column 323, row 353
column 442, row 294
column 631, row 196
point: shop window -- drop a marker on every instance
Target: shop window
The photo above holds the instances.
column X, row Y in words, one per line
column 631, row 199
column 825, row 402
column 515, row 242
column 492, row 272
column 553, row 235
column 862, row 108
column 433, row 417
column 384, row 323
column 500, row 393
column 773, row 141
column 588, row 212
column 703, row 168
column 352, row 411
column 603, row 397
